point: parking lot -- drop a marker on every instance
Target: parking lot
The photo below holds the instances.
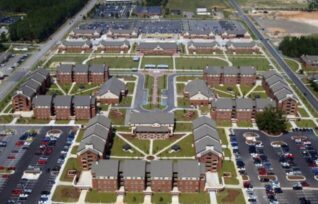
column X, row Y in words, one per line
column 36, row 169
column 267, row 158
column 11, row 62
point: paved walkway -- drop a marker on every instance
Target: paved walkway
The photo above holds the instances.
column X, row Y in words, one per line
column 82, row 197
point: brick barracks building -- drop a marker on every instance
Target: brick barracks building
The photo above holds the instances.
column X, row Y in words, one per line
column 121, row 46
column 207, row 143
column 85, row 33
column 64, row 107
column 95, row 142
column 243, row 47
column 82, row 74
column 155, row 176
column 240, row 109
column 112, row 91
column 214, row 76
column 37, row 83
column 276, row 87
column 148, row 48
column 198, row 93
column 75, row 46
column 203, row 47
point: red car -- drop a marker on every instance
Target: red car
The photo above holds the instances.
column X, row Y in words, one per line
column 11, row 168
column 16, row 192
column 11, row 157
column 262, row 171
column 5, row 175
column 41, row 162
column 19, row 143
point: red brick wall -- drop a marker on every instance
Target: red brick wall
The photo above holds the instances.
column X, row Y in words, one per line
column 105, row 185
column 244, row 115
column 211, row 161
column 86, row 159
column 136, row 185
column 247, row 80
column 289, row 106
column 109, row 101
column 199, row 102
column 161, row 185
column 212, row 80
column 63, row 113
column 64, row 78
column 97, row 78
column 81, row 78
column 221, row 115
column 82, row 113
column 159, row 52
column 21, row 103
column 189, row 185
column 42, row 113
column 230, row 80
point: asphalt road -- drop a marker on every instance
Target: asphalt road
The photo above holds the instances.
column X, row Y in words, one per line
column 277, row 56
column 23, row 70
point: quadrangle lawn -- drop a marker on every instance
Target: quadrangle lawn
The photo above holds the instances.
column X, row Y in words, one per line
column 157, row 60
column 260, row 64
column 115, row 62
column 198, row 63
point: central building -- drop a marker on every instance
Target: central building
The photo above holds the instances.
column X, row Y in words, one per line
column 152, row 125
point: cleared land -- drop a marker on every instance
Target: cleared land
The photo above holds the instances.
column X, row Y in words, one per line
column 187, row 5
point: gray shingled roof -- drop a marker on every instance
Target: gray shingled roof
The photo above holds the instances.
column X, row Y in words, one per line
column 151, row 45
column 62, row 101
column 106, row 168
column 83, row 101
column 45, row 73
column 273, row 79
column 202, row 44
column 213, row 70
column 205, row 131
column 282, row 93
column 97, row 68
column 76, row 43
column 230, row 71
column 262, row 103
column 114, row 43
column 203, row 121
column 244, row 103
column 196, row 86
column 152, row 118
column 80, row 68
column 112, row 85
column 247, row 70
column 99, row 119
column 203, row 144
column 28, row 92
column 223, row 103
column 270, row 73
column 278, row 86
column 241, row 44
column 152, row 129
column 37, row 77
column 32, row 85
column 97, row 130
column 310, row 59
column 161, row 168
column 42, row 100
column 65, row 68
column 98, row 144
column 134, row 168
column 188, row 169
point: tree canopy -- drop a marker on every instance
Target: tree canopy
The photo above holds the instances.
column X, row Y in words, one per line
column 271, row 121
column 42, row 17
column 297, row 46
column 156, row 2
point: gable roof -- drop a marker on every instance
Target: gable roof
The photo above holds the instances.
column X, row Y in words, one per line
column 198, row 86
column 42, row 100
column 106, row 168
column 161, row 168
column 112, row 85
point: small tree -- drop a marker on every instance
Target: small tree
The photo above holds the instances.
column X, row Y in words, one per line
column 271, row 121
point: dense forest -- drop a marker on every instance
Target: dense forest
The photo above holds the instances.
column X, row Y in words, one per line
column 297, row 46
column 42, row 17
column 156, row 2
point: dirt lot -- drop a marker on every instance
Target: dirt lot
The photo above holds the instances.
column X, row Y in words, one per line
column 273, row 3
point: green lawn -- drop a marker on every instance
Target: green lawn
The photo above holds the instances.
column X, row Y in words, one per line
column 74, row 149
column 205, row 109
column 245, row 89
column 228, row 167
column 181, row 115
column 160, row 144
column 116, row 62
column 180, row 88
column 130, row 87
column 227, row 152
column 186, row 5
column 292, row 64
column 187, row 78
column 183, row 127
column 31, row 121
column 182, row 102
column 162, row 82
column 260, row 64
column 84, row 88
column 6, row 119
column 198, row 63
column 244, row 124
column 117, row 149
column 229, row 196
column 229, row 89
column 52, row 91
column 65, row 194
column 307, row 104
column 272, row 4
column 67, row 58
column 117, row 119
column 224, row 123
column 254, row 95
column 65, row 87
column 80, row 135
column 302, row 112
column 126, row 101
column 186, row 149
column 103, row 107
column 134, row 198
column 305, row 124
column 222, row 136
column 156, row 61
column 161, row 198
column 259, row 88
column 100, row 197
column 71, row 164
column 194, row 198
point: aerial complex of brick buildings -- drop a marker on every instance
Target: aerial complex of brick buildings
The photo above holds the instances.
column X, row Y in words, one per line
column 82, row 73
column 37, row 83
column 276, row 87
column 203, row 47
column 75, row 46
column 242, row 47
column 64, row 107
column 159, row 125
column 198, row 93
column 119, row 46
column 112, row 91
column 95, row 143
column 214, row 76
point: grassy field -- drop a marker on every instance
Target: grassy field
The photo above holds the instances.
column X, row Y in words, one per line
column 222, row 136
column 117, row 149
column 228, row 167
column 100, row 197
column 180, row 115
column 272, row 4
column 194, row 198
column 133, row 198
column 198, row 63
column 115, row 62
column 181, row 127
column 192, row 5
column 80, row 135
column 244, row 124
column 5, row 119
column 180, row 88
column 130, row 87
column 161, row 198
column 292, row 64
column 186, row 149
column 187, row 78
column 305, row 124
column 302, row 112
column 260, row 64
column 83, row 88
column 65, row 194
column 160, row 144
column 229, row 196
column 31, row 121
column 141, row 144
column 182, row 102
column 118, row 120
column 67, row 58
column 71, row 164
column 157, row 60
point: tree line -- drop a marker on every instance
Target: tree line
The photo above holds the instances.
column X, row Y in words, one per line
column 297, row 46
column 42, row 17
